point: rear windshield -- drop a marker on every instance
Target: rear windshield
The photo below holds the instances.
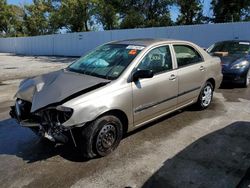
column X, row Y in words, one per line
column 107, row 61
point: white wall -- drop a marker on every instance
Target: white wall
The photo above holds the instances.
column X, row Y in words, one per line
column 77, row 44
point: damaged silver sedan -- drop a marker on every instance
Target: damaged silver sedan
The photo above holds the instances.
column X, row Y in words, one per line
column 115, row 89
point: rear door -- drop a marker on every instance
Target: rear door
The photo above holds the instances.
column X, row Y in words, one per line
column 154, row 96
column 191, row 72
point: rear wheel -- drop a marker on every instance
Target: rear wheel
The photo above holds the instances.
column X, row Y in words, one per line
column 102, row 136
column 206, row 96
column 247, row 79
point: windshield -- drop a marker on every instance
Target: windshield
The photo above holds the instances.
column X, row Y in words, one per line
column 107, row 61
column 231, row 47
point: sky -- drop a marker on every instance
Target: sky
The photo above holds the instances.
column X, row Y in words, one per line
column 16, row 2
column 174, row 10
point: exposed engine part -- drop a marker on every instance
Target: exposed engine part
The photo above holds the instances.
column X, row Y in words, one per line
column 55, row 115
column 46, row 135
column 54, row 134
column 49, row 120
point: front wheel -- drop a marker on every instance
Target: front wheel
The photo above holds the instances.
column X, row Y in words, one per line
column 102, row 136
column 206, row 96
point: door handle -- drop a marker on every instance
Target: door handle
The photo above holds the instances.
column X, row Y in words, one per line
column 172, row 77
column 202, row 68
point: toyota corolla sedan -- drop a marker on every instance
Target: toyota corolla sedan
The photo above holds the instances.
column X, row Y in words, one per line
column 114, row 89
column 235, row 59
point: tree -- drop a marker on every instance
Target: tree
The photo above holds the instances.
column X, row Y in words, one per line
column 145, row 13
column 157, row 13
column 106, row 12
column 190, row 13
column 132, row 19
column 74, row 15
column 11, row 22
column 16, row 25
column 4, row 14
column 230, row 10
column 36, row 17
column 131, row 14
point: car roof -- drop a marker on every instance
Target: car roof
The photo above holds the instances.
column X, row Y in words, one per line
column 234, row 41
column 144, row 41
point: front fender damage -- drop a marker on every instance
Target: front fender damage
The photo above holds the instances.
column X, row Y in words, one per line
column 39, row 101
column 56, row 87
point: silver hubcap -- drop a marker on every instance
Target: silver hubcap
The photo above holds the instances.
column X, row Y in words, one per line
column 106, row 138
column 207, row 96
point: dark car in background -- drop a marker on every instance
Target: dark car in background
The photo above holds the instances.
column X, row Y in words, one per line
column 235, row 60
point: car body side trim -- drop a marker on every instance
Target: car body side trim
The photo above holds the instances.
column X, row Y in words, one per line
column 163, row 114
column 144, row 107
column 150, row 105
column 188, row 91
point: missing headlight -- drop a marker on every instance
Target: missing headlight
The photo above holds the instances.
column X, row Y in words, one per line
column 51, row 122
column 56, row 116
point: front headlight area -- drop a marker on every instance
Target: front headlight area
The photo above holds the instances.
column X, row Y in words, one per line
column 51, row 123
column 47, row 122
column 55, row 116
column 240, row 65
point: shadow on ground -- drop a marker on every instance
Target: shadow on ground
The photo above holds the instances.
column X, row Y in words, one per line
column 22, row 142
column 233, row 92
column 219, row 159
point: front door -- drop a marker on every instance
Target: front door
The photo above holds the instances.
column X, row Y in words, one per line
column 155, row 96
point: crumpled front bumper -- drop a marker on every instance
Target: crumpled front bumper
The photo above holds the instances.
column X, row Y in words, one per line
column 55, row 133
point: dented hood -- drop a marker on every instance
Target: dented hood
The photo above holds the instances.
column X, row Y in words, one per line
column 55, row 87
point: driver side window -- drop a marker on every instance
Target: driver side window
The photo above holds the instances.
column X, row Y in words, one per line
column 158, row 60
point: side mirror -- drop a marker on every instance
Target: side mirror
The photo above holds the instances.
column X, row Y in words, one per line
column 139, row 74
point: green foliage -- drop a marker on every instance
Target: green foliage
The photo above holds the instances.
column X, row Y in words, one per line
column 230, row 10
column 132, row 19
column 11, row 18
column 147, row 13
column 36, row 17
column 73, row 15
column 53, row 16
column 190, row 13
column 4, row 21
column 16, row 27
column 157, row 12
column 106, row 12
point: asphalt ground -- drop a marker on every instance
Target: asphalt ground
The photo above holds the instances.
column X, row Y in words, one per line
column 188, row 148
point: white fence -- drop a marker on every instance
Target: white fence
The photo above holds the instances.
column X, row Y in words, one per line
column 76, row 44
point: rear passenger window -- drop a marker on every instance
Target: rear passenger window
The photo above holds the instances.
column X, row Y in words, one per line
column 186, row 55
column 158, row 60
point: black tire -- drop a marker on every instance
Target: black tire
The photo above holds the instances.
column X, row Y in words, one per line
column 247, row 80
column 201, row 104
column 101, row 137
